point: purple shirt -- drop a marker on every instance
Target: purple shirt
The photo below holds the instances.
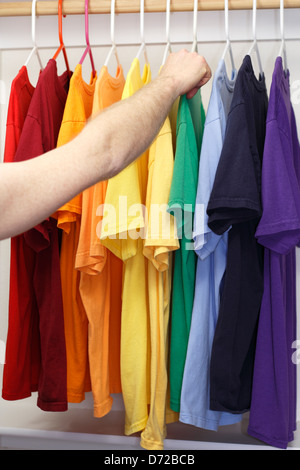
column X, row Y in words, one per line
column 273, row 405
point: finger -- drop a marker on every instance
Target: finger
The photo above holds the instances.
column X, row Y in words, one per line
column 192, row 93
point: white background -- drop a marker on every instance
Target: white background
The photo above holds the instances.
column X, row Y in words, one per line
column 15, row 46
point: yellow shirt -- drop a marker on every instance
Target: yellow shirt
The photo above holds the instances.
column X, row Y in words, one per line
column 78, row 109
column 161, row 239
column 123, row 219
column 101, row 274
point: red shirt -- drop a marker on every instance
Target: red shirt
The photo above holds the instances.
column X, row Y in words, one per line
column 40, row 264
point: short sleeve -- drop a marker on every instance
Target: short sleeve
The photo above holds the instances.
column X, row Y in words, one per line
column 88, row 259
column 235, row 196
column 279, row 227
column 161, row 234
column 123, row 213
column 205, row 240
column 185, row 175
column 183, row 190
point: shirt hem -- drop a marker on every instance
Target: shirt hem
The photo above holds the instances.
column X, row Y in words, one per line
column 269, row 440
column 18, row 396
column 47, row 406
column 76, row 397
column 175, row 406
column 217, row 406
column 103, row 408
column 202, row 423
column 149, row 444
column 136, row 427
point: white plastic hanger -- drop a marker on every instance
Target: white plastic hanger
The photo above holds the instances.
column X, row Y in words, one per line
column 168, row 48
column 228, row 47
column 282, row 51
column 113, row 49
column 142, row 48
column 254, row 46
column 195, row 22
column 33, row 27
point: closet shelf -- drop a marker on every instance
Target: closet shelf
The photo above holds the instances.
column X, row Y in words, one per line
column 75, row 7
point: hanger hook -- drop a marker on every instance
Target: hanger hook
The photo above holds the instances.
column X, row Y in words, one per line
column 195, row 24
column 228, row 42
column 86, row 11
column 112, row 35
column 254, row 21
column 143, row 44
column 88, row 49
column 226, row 14
column 283, row 46
column 62, row 45
column 33, row 21
column 112, row 21
column 168, row 45
column 254, row 44
column 33, row 35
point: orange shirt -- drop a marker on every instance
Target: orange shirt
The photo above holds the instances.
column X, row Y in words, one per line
column 101, row 274
column 77, row 110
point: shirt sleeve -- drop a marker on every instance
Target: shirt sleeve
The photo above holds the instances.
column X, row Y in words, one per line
column 123, row 213
column 182, row 198
column 161, row 235
column 235, row 196
column 205, row 240
column 279, row 227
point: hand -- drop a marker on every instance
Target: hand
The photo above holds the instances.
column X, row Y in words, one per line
column 189, row 70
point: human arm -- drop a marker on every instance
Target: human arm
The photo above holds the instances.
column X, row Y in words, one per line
column 33, row 190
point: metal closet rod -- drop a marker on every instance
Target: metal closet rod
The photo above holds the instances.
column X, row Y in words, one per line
column 76, row 7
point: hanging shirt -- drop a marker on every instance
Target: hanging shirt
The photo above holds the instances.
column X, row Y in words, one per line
column 273, row 405
column 38, row 136
column 20, row 377
column 100, row 283
column 235, row 203
column 77, row 110
column 182, row 199
column 160, row 240
column 122, row 231
column 211, row 264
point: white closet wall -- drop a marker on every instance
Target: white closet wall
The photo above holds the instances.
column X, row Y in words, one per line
column 22, row 424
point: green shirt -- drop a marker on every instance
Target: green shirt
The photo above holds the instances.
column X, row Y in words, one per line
column 182, row 199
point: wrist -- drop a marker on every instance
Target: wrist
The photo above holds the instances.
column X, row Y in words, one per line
column 170, row 84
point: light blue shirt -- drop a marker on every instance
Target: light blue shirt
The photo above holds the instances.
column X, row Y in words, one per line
column 211, row 263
